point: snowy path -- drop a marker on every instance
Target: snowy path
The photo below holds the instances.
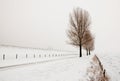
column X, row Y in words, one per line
column 26, row 62
column 61, row 70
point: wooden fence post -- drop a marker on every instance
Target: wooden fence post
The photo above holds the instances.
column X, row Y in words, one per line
column 104, row 72
column 3, row 56
column 39, row 55
column 26, row 56
column 34, row 55
column 16, row 56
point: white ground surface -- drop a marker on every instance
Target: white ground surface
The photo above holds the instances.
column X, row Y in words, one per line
column 111, row 63
column 72, row 69
column 60, row 70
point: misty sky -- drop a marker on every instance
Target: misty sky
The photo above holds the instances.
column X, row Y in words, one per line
column 43, row 23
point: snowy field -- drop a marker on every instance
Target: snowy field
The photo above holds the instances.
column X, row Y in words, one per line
column 69, row 69
column 52, row 65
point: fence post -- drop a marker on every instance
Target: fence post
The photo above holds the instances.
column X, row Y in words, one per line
column 34, row 55
column 26, row 56
column 39, row 55
column 3, row 56
column 104, row 72
column 49, row 55
column 16, row 56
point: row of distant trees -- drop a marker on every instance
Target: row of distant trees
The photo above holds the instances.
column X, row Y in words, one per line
column 79, row 31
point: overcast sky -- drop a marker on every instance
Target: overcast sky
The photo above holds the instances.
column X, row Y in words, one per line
column 43, row 23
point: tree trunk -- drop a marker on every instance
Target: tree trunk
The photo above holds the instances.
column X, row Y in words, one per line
column 80, row 50
column 89, row 51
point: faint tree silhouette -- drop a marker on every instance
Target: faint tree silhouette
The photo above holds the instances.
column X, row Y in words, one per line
column 88, row 42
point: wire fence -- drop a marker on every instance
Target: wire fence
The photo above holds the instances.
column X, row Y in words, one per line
column 29, row 56
column 14, row 56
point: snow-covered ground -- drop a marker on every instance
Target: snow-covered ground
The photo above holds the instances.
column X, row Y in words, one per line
column 111, row 63
column 47, row 65
column 69, row 69
column 61, row 70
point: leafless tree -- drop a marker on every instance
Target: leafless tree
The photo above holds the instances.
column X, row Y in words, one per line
column 91, row 48
column 89, row 44
column 79, row 24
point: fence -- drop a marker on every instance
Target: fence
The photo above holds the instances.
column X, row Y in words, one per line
column 26, row 56
column 15, row 56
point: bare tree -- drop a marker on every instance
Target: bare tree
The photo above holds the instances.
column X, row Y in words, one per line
column 79, row 24
column 91, row 48
column 89, row 44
